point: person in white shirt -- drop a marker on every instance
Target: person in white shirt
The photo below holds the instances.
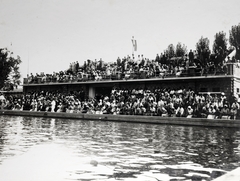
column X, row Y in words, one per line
column 53, row 105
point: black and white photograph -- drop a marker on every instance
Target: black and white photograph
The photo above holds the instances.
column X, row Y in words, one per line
column 119, row 90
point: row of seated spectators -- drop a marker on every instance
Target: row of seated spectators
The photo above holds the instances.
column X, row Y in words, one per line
column 135, row 68
column 151, row 102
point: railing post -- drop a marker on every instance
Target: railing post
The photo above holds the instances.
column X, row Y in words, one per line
column 230, row 68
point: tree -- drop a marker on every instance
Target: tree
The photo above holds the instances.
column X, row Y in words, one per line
column 203, row 51
column 170, row 51
column 181, row 50
column 202, row 44
column 9, row 70
column 220, row 43
column 234, row 39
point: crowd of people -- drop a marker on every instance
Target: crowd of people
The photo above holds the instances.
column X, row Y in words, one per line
column 168, row 102
column 138, row 68
column 151, row 102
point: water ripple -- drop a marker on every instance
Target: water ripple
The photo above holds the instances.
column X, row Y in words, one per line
column 58, row 149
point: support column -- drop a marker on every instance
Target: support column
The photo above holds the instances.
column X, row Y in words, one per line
column 91, row 92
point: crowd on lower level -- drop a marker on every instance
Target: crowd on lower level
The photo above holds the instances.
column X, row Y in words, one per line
column 150, row 102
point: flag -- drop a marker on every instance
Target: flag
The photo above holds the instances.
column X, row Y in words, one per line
column 134, row 42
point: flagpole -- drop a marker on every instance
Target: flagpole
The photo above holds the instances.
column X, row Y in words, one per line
column 132, row 46
column 28, row 63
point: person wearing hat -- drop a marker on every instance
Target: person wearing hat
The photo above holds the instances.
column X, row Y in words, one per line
column 224, row 113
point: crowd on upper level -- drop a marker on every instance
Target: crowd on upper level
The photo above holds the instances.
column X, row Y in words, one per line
column 138, row 68
column 152, row 102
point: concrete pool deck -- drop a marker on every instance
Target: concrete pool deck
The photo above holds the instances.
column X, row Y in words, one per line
column 130, row 118
column 234, row 175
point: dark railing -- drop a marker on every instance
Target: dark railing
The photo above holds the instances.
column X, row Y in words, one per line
column 231, row 69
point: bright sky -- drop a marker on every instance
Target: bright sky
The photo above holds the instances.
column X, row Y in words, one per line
column 50, row 34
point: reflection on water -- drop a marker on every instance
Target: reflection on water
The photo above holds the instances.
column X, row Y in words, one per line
column 60, row 149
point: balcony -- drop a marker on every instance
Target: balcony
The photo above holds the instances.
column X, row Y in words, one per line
column 230, row 69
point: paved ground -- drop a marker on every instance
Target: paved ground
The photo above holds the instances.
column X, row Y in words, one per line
column 231, row 176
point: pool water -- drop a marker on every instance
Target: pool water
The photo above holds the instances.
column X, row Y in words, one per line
column 63, row 149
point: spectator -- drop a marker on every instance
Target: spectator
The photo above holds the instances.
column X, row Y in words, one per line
column 224, row 113
column 137, row 101
column 234, row 109
column 189, row 112
column 180, row 112
column 191, row 56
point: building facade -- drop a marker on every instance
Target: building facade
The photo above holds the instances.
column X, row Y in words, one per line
column 215, row 84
